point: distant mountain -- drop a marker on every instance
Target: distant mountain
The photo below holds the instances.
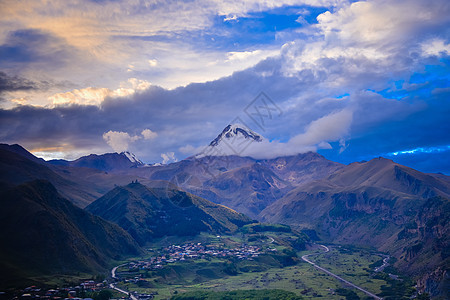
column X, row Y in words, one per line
column 378, row 203
column 42, row 234
column 248, row 189
column 231, row 141
column 148, row 213
column 105, row 162
column 233, row 131
column 243, row 183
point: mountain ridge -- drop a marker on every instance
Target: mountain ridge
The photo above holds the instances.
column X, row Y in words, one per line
column 104, row 162
column 145, row 212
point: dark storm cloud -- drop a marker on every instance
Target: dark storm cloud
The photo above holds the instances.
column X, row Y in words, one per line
column 15, row 83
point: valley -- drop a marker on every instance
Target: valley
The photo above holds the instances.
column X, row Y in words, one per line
column 228, row 263
column 225, row 224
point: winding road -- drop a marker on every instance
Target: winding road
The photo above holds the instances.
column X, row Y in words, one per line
column 384, row 265
column 305, row 258
column 114, row 287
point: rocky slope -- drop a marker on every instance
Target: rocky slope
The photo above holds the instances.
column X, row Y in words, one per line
column 378, row 203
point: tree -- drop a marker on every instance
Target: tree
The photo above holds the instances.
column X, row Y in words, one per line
column 102, row 295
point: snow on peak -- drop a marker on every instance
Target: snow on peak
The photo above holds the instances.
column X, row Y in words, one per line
column 233, row 131
column 131, row 157
column 235, row 139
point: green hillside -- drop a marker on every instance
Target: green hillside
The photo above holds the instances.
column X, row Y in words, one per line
column 44, row 234
column 148, row 213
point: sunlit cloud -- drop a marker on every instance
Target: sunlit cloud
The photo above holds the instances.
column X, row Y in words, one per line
column 152, row 62
column 95, row 96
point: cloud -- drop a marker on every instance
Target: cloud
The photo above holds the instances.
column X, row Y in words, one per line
column 148, row 134
column 23, row 50
column 118, row 140
column 95, row 96
column 152, row 62
column 168, row 157
column 369, row 77
column 15, row 83
column 332, row 127
column 435, row 47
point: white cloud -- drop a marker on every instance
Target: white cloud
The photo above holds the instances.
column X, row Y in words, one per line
column 435, row 47
column 242, row 55
column 168, row 157
column 152, row 62
column 118, row 140
column 331, row 127
column 148, row 134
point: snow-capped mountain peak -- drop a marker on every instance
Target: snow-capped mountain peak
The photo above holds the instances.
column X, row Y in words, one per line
column 235, row 139
column 132, row 158
column 234, row 131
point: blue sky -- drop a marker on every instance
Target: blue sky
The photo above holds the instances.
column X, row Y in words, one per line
column 351, row 80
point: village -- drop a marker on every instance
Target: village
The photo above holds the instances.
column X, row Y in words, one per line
column 195, row 251
column 167, row 255
column 87, row 290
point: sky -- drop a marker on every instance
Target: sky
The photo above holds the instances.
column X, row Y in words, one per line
column 352, row 80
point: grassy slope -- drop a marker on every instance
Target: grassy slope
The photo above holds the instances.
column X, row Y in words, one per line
column 43, row 234
column 146, row 213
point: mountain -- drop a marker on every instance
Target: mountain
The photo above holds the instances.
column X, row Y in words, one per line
column 42, row 234
column 380, row 179
column 378, row 203
column 248, row 189
column 80, row 185
column 105, row 162
column 18, row 166
column 245, row 184
column 233, row 131
column 151, row 212
column 22, row 152
column 231, row 141
column 303, row 167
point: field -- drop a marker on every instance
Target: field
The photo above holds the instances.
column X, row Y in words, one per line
column 274, row 269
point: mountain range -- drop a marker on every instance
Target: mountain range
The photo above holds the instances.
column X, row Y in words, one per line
column 105, row 162
column 378, row 203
